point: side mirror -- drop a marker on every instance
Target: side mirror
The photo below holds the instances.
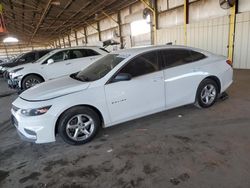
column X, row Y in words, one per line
column 50, row 61
column 122, row 77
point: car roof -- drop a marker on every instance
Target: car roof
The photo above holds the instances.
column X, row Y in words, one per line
column 138, row 50
column 79, row 47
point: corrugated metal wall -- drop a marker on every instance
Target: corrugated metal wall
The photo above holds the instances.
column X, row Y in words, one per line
column 171, row 34
column 211, row 35
column 242, row 41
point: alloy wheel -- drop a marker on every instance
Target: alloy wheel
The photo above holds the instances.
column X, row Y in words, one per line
column 80, row 127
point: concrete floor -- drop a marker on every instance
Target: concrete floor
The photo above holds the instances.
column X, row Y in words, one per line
column 185, row 147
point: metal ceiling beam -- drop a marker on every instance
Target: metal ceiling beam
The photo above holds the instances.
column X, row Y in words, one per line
column 111, row 11
column 65, row 7
column 93, row 11
column 72, row 16
column 41, row 19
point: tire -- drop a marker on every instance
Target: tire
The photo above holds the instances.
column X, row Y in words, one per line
column 30, row 81
column 83, row 120
column 207, row 93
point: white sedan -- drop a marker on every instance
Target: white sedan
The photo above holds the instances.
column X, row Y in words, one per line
column 118, row 87
column 55, row 64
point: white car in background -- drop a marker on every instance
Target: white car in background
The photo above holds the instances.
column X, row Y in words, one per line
column 119, row 87
column 57, row 63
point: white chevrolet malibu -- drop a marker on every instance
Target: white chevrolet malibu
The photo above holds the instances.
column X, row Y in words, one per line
column 118, row 87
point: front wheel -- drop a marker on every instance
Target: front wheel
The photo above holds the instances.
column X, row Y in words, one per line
column 207, row 93
column 30, row 81
column 78, row 125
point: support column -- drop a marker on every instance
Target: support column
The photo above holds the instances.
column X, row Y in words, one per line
column 63, row 42
column 120, row 28
column 85, row 34
column 6, row 51
column 99, row 31
column 155, row 14
column 76, row 38
column 186, row 19
column 232, row 18
column 59, row 42
column 69, row 41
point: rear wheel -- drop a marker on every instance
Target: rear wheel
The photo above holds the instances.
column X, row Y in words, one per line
column 207, row 93
column 78, row 125
column 30, row 81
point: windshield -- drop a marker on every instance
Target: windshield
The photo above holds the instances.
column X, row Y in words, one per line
column 41, row 59
column 99, row 68
column 17, row 58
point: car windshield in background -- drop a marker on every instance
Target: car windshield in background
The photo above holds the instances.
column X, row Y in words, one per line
column 99, row 68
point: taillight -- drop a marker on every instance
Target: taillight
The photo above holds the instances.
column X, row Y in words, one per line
column 229, row 62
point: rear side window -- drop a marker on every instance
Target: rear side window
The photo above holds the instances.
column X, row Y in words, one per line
column 142, row 64
column 90, row 52
column 74, row 54
column 176, row 57
column 196, row 56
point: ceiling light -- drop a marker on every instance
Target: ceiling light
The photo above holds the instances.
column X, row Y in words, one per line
column 10, row 40
column 56, row 3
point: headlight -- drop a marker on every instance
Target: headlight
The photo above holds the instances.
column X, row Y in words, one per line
column 12, row 76
column 35, row 111
column 15, row 70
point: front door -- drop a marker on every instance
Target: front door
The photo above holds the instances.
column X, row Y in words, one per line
column 142, row 95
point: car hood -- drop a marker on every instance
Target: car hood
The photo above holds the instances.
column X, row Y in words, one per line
column 53, row 89
column 20, row 66
column 8, row 64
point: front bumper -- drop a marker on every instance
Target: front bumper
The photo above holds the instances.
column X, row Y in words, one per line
column 13, row 84
column 38, row 129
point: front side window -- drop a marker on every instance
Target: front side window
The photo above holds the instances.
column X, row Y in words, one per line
column 141, row 65
column 99, row 68
column 30, row 57
column 60, row 56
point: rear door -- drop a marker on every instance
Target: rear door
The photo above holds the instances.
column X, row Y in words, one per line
column 182, row 75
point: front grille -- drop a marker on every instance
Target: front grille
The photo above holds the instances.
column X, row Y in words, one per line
column 15, row 108
column 14, row 121
column 7, row 75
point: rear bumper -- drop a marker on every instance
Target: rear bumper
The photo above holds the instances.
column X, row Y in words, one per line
column 226, row 79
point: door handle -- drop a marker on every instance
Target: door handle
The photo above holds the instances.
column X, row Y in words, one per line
column 68, row 64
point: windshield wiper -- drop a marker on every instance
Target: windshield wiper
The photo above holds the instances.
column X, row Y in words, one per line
column 81, row 78
column 84, row 78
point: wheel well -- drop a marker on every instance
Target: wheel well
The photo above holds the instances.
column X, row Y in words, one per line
column 89, row 106
column 31, row 74
column 217, row 81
